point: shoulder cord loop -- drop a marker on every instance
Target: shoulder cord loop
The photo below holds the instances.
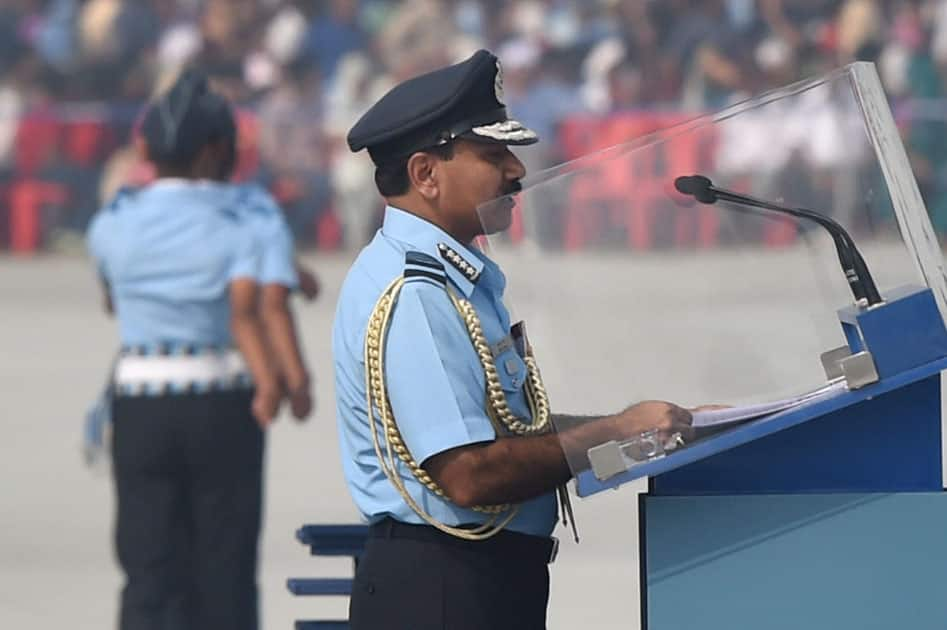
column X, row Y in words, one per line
column 497, row 407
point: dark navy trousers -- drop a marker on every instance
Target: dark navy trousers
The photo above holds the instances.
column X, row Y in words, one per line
column 188, row 475
column 414, row 577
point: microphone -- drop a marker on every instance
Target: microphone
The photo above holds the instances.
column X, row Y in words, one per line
column 853, row 265
column 697, row 186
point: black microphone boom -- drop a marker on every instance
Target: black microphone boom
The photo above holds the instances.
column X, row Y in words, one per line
column 856, row 271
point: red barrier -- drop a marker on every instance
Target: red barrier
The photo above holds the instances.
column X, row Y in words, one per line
column 37, row 141
column 687, row 154
column 87, row 141
column 629, row 190
column 248, row 145
column 27, row 198
column 328, row 231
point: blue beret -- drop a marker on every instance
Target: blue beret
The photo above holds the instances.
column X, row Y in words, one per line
column 185, row 118
column 463, row 100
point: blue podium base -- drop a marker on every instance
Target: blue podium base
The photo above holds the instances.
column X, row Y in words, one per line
column 785, row 562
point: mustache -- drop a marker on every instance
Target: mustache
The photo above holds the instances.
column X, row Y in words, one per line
column 512, row 188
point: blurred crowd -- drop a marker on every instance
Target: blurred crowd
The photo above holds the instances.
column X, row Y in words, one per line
column 75, row 73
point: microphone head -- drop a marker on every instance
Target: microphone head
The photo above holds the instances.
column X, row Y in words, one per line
column 673, row 193
column 696, row 185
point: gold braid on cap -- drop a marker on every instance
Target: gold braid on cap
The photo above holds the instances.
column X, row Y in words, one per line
column 497, row 409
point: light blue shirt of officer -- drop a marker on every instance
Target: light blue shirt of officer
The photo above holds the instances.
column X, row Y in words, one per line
column 434, row 377
column 169, row 252
column 266, row 222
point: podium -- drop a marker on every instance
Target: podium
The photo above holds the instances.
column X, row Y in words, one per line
column 831, row 515
column 827, row 515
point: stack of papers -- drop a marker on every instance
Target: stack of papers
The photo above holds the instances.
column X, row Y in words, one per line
column 719, row 417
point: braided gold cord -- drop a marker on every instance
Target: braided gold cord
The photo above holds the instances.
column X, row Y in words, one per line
column 497, row 408
column 497, row 404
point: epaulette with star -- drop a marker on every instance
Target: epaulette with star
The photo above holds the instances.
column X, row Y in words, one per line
column 458, row 262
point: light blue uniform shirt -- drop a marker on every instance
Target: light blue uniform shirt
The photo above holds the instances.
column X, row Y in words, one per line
column 268, row 226
column 434, row 378
column 169, row 252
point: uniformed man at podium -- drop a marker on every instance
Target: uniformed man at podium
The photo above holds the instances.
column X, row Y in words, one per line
column 446, row 431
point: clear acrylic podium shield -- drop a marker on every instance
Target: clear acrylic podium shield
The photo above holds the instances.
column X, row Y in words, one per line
column 632, row 291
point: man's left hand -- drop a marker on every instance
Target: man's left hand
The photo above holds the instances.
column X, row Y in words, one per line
column 308, row 283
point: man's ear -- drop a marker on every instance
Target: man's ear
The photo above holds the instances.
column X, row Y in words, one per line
column 422, row 171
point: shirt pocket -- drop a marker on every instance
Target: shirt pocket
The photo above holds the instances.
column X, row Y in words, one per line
column 511, row 369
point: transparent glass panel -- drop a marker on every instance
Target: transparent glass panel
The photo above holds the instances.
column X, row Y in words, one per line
column 633, row 291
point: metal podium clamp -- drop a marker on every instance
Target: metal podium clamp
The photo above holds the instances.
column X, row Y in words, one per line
column 857, row 369
column 613, row 457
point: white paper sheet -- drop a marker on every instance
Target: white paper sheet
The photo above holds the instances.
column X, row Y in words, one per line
column 748, row 412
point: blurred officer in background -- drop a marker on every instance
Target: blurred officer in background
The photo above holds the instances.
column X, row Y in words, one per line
column 183, row 260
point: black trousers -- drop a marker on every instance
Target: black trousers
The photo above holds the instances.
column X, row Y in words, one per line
column 188, row 474
column 414, row 577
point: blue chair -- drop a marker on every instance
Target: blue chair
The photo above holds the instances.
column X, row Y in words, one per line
column 322, row 625
column 328, row 540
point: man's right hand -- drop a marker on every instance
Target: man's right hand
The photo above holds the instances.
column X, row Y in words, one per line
column 266, row 402
column 666, row 417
